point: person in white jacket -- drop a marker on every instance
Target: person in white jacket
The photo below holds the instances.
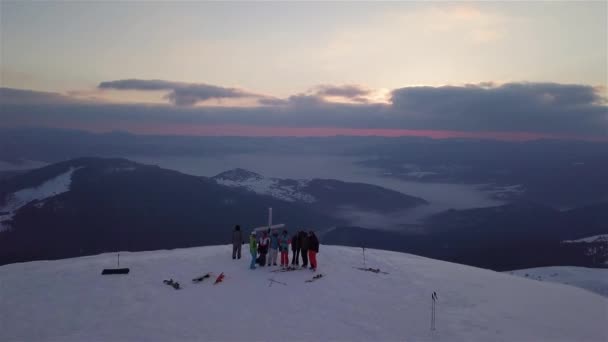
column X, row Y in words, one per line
column 263, row 248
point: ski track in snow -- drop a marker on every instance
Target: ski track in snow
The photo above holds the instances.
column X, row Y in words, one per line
column 68, row 300
column 49, row 188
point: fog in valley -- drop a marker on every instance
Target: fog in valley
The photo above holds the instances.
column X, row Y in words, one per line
column 441, row 196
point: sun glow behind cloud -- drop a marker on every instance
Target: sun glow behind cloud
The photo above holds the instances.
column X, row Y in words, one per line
column 223, row 66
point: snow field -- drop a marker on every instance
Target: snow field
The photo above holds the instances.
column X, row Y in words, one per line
column 68, row 300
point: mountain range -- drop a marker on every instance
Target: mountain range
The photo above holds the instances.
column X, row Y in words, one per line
column 91, row 205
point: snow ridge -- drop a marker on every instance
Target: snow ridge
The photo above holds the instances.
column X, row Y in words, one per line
column 49, row 188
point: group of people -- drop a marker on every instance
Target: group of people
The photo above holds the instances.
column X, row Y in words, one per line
column 265, row 248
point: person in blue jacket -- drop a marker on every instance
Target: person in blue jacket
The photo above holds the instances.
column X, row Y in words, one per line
column 274, row 247
column 284, row 248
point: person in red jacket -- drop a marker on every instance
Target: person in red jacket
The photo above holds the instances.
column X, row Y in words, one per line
column 313, row 249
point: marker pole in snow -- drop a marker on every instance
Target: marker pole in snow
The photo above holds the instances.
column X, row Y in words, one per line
column 116, row 270
column 363, row 247
column 433, row 300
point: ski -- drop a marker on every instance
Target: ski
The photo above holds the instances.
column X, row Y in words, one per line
column 288, row 269
column 219, row 278
column 369, row 269
column 172, row 283
column 317, row 277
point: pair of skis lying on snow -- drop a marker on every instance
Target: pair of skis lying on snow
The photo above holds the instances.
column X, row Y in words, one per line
column 176, row 285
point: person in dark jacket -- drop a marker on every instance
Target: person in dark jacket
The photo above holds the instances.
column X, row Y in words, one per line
column 313, row 249
column 295, row 248
column 304, row 248
column 237, row 242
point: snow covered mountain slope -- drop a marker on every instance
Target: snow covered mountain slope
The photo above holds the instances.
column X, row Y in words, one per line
column 49, row 188
column 326, row 195
column 592, row 279
column 286, row 191
column 589, row 239
column 68, row 300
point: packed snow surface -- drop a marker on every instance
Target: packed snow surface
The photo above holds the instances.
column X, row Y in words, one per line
column 51, row 187
column 68, row 300
column 592, row 279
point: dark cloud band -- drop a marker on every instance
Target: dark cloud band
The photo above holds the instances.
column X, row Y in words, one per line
column 515, row 107
column 181, row 94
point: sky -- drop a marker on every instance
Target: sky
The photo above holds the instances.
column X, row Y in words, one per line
column 508, row 70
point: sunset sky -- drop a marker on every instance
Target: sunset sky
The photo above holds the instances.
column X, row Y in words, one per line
column 500, row 70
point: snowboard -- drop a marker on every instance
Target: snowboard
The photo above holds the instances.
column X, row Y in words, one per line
column 315, row 278
column 219, row 279
column 201, row 278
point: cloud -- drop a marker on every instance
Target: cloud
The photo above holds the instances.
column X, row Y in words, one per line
column 349, row 91
column 321, row 96
column 10, row 96
column 547, row 108
column 180, row 94
column 539, row 107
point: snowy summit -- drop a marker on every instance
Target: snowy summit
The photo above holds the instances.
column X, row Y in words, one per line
column 68, row 300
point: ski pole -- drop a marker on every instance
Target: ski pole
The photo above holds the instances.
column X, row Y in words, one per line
column 433, row 300
column 432, row 311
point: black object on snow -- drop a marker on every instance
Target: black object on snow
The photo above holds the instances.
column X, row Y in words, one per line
column 172, row 283
column 116, row 270
column 369, row 269
column 317, row 277
column 201, row 278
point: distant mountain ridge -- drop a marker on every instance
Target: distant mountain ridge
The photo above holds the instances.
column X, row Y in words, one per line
column 91, row 205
